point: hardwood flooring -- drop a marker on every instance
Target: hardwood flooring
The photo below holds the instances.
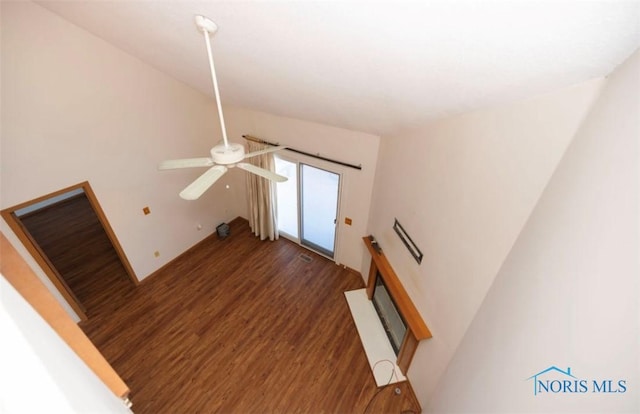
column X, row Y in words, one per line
column 73, row 239
column 242, row 326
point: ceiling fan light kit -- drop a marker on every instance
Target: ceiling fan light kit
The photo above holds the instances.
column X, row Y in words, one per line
column 225, row 155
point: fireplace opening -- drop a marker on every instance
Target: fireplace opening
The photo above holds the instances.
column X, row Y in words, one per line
column 394, row 324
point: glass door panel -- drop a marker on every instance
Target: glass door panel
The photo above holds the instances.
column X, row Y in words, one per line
column 287, row 194
column 319, row 190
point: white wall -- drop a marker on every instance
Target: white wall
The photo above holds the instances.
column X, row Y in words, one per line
column 354, row 147
column 74, row 108
column 568, row 292
column 462, row 188
column 40, row 373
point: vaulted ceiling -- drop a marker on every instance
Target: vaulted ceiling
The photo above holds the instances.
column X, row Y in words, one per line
column 377, row 67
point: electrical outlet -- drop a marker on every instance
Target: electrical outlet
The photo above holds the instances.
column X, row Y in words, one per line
column 156, row 253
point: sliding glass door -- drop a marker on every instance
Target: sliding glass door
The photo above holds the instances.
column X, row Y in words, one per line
column 287, row 195
column 308, row 205
column 319, row 191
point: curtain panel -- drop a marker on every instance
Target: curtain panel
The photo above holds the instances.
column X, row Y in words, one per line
column 263, row 209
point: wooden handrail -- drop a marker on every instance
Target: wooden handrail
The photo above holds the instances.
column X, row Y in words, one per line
column 406, row 307
column 22, row 278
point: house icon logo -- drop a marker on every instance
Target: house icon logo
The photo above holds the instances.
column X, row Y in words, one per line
column 540, row 385
column 557, row 381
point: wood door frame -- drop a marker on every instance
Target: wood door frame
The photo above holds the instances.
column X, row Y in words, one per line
column 43, row 261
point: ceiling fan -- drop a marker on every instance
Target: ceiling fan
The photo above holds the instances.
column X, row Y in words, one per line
column 224, row 155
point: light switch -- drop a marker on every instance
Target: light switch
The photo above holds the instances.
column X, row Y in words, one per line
column 347, row 221
column 146, row 211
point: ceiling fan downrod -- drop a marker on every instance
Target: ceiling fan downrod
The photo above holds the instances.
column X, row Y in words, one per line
column 223, row 156
column 207, row 26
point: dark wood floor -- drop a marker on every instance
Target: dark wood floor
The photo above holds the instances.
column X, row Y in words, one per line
column 73, row 239
column 242, row 326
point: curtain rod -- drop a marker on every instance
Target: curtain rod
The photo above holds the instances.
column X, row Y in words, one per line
column 318, row 156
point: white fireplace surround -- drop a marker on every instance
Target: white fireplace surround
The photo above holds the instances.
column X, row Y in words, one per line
column 376, row 344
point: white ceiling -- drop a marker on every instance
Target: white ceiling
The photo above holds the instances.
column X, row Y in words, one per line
column 377, row 67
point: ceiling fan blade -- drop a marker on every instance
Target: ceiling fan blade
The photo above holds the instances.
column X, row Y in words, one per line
column 264, row 151
column 262, row 172
column 185, row 163
column 202, row 183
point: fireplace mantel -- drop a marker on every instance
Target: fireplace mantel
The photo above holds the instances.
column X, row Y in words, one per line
column 417, row 329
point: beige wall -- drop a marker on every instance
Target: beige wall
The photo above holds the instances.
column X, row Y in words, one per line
column 568, row 293
column 463, row 188
column 75, row 108
column 337, row 143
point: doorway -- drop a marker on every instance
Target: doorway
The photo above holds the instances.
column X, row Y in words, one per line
column 69, row 236
column 308, row 205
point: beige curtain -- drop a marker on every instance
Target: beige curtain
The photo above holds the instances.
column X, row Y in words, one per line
column 263, row 210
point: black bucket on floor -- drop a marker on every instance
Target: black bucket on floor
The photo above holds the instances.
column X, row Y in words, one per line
column 223, row 230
